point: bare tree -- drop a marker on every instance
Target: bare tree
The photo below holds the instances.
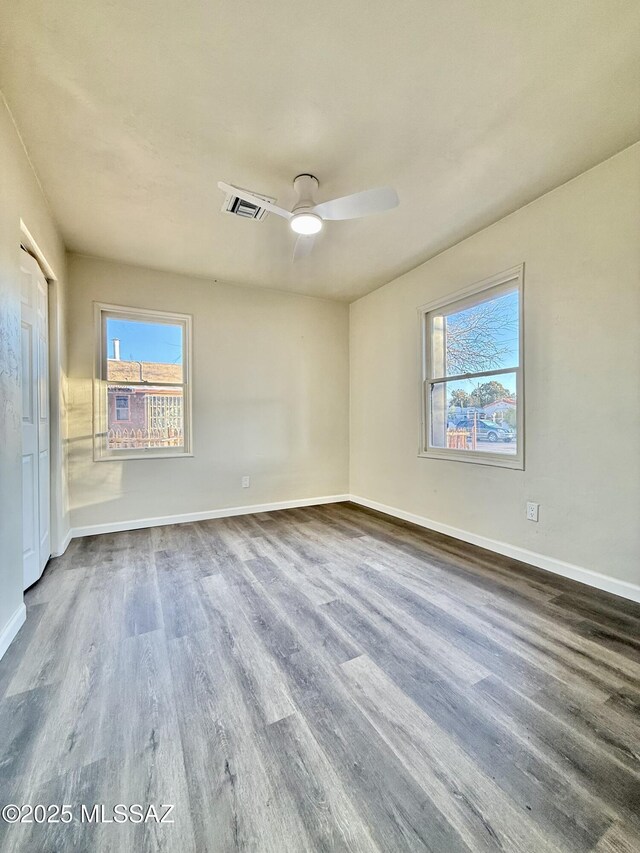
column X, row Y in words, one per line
column 475, row 338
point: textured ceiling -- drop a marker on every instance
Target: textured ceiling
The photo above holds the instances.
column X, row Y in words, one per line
column 132, row 111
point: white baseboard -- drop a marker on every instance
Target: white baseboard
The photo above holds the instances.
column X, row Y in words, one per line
column 11, row 628
column 63, row 545
column 550, row 564
column 185, row 518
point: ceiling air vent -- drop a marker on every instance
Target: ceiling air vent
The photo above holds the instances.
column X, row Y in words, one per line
column 240, row 207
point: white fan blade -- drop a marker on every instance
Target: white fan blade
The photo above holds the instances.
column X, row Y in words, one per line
column 245, row 195
column 303, row 246
column 358, row 204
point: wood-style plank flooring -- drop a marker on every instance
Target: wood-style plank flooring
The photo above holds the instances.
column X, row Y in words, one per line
column 321, row 679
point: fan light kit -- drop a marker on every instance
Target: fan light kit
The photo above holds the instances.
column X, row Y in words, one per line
column 307, row 217
column 305, row 223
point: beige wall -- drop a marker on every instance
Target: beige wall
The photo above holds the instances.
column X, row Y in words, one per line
column 581, row 248
column 270, row 398
column 21, row 198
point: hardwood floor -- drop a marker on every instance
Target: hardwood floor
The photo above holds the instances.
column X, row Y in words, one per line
column 322, row 679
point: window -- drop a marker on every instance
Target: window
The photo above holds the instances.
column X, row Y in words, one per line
column 122, row 408
column 472, row 395
column 142, row 399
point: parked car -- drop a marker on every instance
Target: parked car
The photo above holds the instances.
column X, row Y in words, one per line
column 488, row 430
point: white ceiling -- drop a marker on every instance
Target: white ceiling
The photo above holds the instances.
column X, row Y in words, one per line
column 132, row 110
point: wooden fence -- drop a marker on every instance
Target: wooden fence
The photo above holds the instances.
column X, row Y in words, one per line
column 125, row 438
column 462, row 439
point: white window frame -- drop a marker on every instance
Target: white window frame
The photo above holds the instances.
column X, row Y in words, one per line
column 508, row 280
column 101, row 452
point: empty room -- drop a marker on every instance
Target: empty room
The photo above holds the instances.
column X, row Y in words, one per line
column 319, row 426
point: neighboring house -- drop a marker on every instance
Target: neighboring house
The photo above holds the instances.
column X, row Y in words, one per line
column 456, row 413
column 153, row 407
column 501, row 408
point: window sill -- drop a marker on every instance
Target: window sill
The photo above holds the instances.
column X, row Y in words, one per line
column 125, row 457
column 479, row 458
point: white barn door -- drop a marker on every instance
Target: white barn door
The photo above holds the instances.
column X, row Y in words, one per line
column 36, row 500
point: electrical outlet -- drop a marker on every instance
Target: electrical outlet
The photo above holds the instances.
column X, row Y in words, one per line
column 246, row 482
column 533, row 510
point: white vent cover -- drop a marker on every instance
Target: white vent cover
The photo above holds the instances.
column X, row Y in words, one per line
column 239, row 207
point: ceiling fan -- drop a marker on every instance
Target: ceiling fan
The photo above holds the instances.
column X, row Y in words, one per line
column 308, row 217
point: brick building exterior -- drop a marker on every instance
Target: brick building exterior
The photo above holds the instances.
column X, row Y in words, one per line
column 152, row 409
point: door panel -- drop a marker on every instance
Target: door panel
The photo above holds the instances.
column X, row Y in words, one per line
column 30, row 466
column 43, row 418
column 30, row 512
column 27, row 373
column 44, row 547
column 35, row 420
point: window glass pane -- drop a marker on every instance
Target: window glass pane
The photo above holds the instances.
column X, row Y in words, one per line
column 139, row 351
column 480, row 337
column 154, row 417
column 476, row 415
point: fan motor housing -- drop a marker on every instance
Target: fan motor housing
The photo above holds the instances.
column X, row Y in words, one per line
column 306, row 187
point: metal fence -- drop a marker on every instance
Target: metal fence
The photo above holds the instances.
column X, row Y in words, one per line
column 125, row 438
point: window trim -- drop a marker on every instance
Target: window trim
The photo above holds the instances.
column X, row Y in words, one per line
column 101, row 453
column 469, row 296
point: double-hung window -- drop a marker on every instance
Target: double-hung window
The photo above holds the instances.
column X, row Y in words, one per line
column 472, row 376
column 142, row 400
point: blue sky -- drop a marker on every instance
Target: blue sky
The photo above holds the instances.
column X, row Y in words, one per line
column 145, row 341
